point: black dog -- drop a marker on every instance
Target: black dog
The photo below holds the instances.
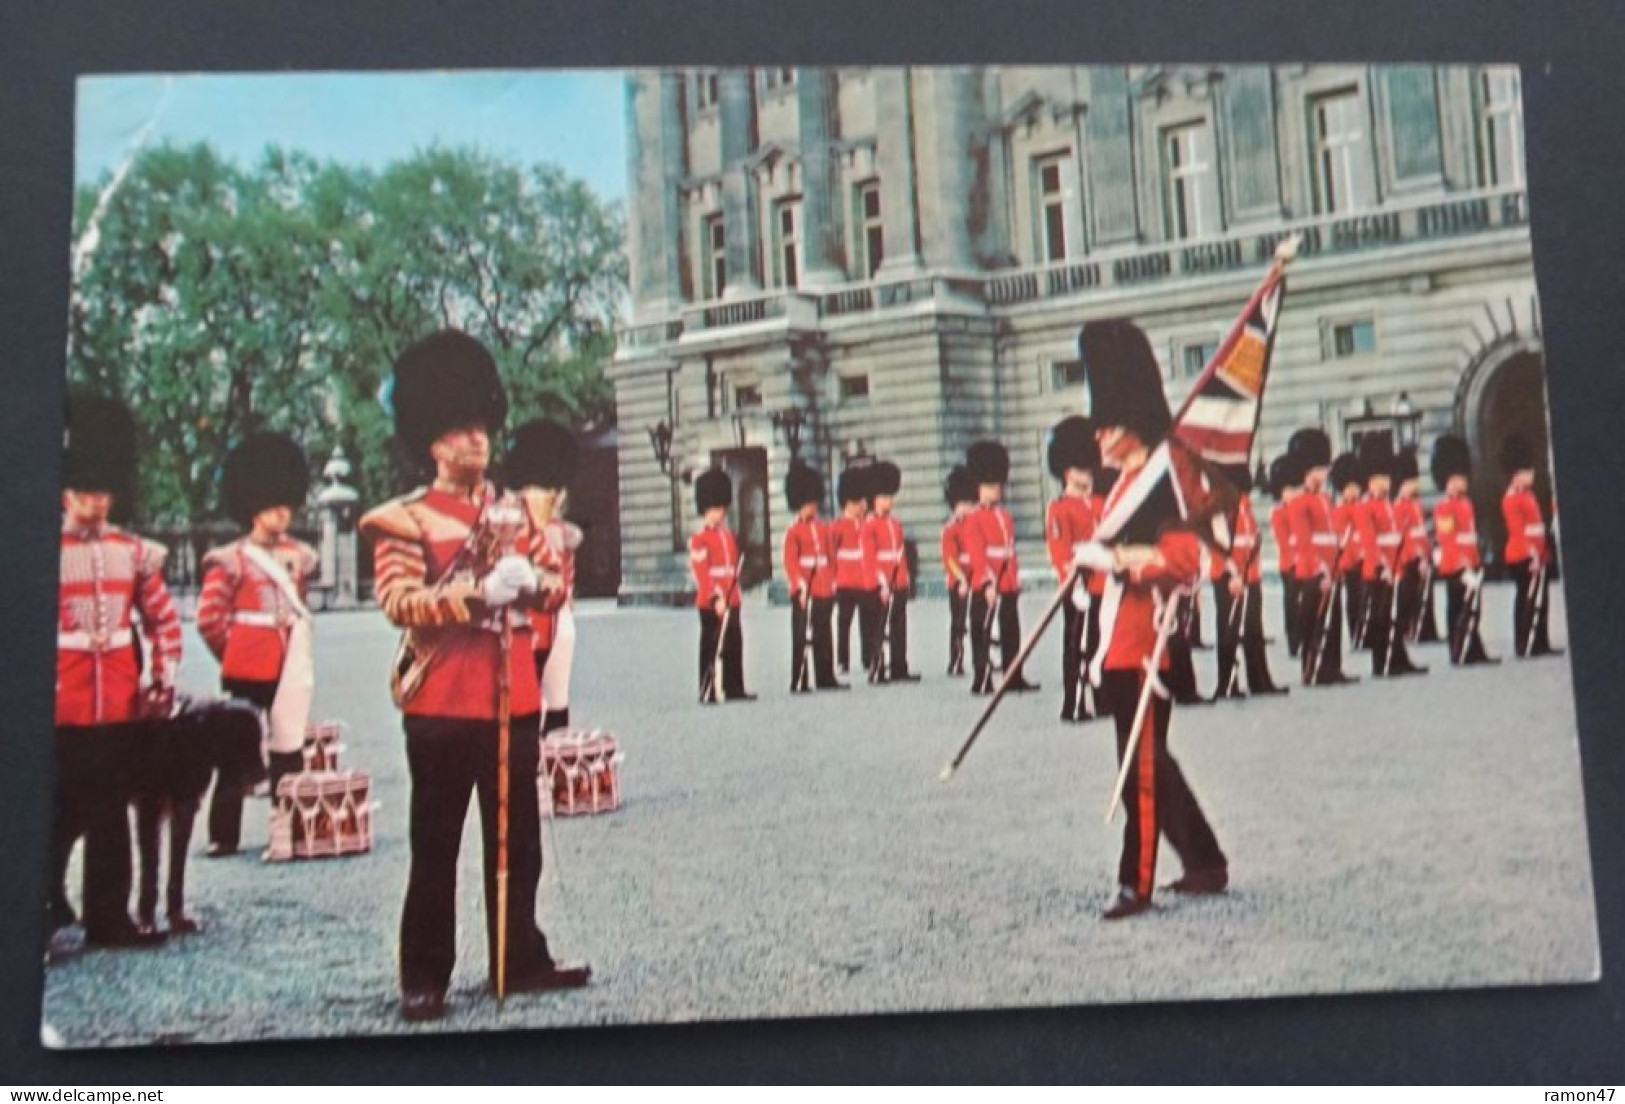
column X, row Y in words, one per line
column 170, row 778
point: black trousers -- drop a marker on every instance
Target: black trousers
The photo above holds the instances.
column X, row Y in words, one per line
column 93, row 770
column 870, row 611
column 235, row 776
column 733, row 655
column 1320, row 632
column 1387, row 643
column 889, row 626
column 1466, row 645
column 848, row 601
column 1359, row 610
column 958, row 610
column 1080, row 637
column 821, row 651
column 1006, row 622
column 1424, row 625
column 1241, row 630
column 449, row 758
column 1289, row 600
column 1158, row 800
column 1529, row 610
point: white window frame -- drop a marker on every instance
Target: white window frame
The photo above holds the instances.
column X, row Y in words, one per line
column 1341, row 161
column 1190, row 167
column 1497, row 111
column 1045, row 202
column 714, row 256
column 870, row 229
column 789, row 254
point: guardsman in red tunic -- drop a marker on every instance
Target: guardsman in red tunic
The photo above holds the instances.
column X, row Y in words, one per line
column 453, row 562
column 990, row 541
column 1415, row 553
column 960, row 493
column 1380, row 538
column 1073, row 457
column 1347, row 484
column 1130, row 414
column 1286, row 484
column 809, row 569
column 1238, row 593
column 244, row 613
column 1317, row 545
column 885, row 555
column 540, row 465
column 1527, row 555
column 1455, row 527
column 111, row 583
column 852, row 580
column 713, row 555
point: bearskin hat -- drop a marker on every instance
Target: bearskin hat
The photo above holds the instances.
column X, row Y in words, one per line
column 1072, row 445
column 853, row 485
column 1405, row 466
column 1312, row 446
column 885, row 478
column 987, row 462
column 266, row 470
column 1125, row 382
column 1451, row 457
column 802, row 484
column 960, row 487
column 1345, row 470
column 1516, row 454
column 713, row 488
column 1286, row 470
column 445, row 381
column 544, row 454
column 1376, row 456
column 99, row 446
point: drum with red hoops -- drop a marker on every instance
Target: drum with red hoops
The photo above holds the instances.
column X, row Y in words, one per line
column 321, row 814
column 580, row 773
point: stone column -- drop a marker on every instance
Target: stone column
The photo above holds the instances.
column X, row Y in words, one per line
column 737, row 119
column 894, row 157
column 656, row 163
column 945, row 103
column 819, row 225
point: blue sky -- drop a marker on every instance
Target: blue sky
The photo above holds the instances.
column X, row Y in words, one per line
column 573, row 118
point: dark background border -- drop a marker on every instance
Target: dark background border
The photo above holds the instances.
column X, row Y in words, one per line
column 1574, row 96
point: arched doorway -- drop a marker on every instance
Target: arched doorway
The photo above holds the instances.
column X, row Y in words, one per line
column 1504, row 393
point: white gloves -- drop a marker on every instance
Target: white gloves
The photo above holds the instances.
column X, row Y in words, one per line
column 1080, row 597
column 512, row 576
column 1093, row 555
column 1473, row 578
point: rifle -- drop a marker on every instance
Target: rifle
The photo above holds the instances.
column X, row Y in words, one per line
column 1461, row 633
column 1238, row 617
column 1537, row 599
column 803, row 681
column 1333, row 593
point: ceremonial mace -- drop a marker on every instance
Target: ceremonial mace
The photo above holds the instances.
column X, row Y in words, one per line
column 505, row 520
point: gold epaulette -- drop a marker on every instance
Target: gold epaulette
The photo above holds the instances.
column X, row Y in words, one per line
column 394, row 518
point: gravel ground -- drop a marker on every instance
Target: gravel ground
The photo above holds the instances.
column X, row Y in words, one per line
column 794, row 858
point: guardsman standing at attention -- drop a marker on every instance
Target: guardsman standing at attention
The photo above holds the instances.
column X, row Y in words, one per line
column 713, row 554
column 247, row 606
column 809, row 568
column 1380, row 538
column 1286, row 484
column 1347, row 483
column 453, row 563
column 1073, row 457
column 1239, row 580
column 1130, row 415
column 1415, row 552
column 1455, row 526
column 1528, row 556
column 1317, row 545
column 990, row 540
column 960, row 491
column 110, row 581
column 886, row 558
column 851, row 580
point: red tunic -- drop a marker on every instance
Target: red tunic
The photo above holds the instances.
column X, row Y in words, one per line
column 110, row 578
column 955, row 556
column 1131, row 631
column 1314, row 536
column 990, row 540
column 883, row 553
column 1379, row 539
column 1413, row 531
column 846, row 539
column 417, row 539
column 1284, row 549
column 242, row 614
column 1244, row 550
column 1347, row 519
column 807, row 565
column 1456, row 527
column 713, row 554
column 1526, row 530
column 1069, row 522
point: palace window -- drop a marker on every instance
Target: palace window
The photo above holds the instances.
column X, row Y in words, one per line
column 1193, row 185
column 1194, row 356
column 1353, row 338
column 1066, row 373
column 775, row 79
column 871, row 241
column 716, row 256
column 705, row 89
column 1500, row 130
column 1050, row 203
column 747, row 396
column 1342, row 157
column 854, row 387
column 787, row 244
